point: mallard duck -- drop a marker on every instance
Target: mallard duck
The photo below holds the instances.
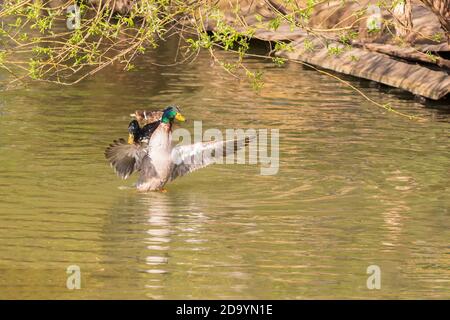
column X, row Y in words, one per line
column 139, row 135
column 149, row 150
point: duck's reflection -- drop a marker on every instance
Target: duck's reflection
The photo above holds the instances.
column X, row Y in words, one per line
column 158, row 236
column 160, row 244
column 160, row 231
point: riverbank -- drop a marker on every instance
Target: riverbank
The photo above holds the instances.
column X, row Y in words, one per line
column 416, row 63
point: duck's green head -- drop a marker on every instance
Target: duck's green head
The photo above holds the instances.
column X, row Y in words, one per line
column 171, row 113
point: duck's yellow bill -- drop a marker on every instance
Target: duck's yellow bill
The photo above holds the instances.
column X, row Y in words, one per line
column 179, row 117
column 130, row 139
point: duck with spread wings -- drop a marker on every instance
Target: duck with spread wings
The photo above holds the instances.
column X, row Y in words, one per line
column 149, row 151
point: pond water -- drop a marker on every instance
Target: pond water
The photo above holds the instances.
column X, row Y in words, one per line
column 357, row 186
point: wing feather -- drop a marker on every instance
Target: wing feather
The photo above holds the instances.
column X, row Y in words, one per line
column 188, row 158
column 124, row 158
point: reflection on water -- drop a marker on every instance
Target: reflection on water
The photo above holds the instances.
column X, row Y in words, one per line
column 356, row 187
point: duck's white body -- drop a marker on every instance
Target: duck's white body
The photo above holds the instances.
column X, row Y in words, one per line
column 157, row 164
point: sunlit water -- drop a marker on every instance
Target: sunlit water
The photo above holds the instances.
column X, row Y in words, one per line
column 356, row 187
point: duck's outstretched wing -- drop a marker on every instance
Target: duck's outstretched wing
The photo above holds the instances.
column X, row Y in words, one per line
column 124, row 158
column 188, row 158
column 147, row 117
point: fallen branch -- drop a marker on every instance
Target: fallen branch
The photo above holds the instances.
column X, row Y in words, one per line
column 407, row 53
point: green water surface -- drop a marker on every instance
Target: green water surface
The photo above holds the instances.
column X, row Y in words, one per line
column 357, row 186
